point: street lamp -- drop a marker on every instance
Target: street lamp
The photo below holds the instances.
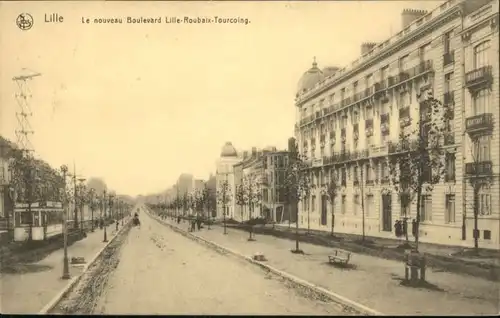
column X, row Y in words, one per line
column 66, row 275
column 81, row 197
column 92, row 207
column 104, row 221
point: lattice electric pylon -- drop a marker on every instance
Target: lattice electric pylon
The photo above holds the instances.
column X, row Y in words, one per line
column 24, row 113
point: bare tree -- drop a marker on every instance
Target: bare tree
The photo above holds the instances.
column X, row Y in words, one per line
column 297, row 186
column 241, row 198
column 331, row 190
column 223, row 198
column 417, row 161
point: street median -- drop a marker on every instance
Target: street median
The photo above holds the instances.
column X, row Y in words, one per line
column 348, row 306
column 80, row 290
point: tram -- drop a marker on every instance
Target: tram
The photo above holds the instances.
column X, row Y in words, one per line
column 47, row 220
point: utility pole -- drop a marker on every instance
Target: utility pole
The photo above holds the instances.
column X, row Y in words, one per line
column 22, row 138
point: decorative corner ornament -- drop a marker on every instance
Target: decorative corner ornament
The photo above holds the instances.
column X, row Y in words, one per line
column 494, row 23
column 466, row 36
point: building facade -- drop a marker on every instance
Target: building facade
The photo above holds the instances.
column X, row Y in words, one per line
column 262, row 172
column 349, row 119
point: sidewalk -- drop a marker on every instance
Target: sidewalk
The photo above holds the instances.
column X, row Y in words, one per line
column 34, row 285
column 372, row 281
column 452, row 258
column 489, row 256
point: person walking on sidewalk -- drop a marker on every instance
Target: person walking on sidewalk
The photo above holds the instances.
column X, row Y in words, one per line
column 198, row 223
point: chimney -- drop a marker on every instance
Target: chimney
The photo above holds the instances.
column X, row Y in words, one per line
column 410, row 15
column 292, row 147
column 254, row 151
column 367, row 47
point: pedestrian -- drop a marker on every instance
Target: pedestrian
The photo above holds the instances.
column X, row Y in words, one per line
column 198, row 224
column 193, row 224
column 117, row 225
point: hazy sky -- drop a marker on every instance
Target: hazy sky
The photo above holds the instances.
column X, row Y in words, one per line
column 139, row 104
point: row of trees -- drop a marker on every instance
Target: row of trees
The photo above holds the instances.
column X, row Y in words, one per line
column 416, row 167
column 32, row 180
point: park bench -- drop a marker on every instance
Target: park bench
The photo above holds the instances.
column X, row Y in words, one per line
column 340, row 256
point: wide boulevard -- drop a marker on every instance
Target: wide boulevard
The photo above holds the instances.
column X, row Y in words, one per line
column 163, row 272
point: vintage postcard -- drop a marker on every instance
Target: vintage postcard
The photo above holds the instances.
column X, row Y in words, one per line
column 250, row 157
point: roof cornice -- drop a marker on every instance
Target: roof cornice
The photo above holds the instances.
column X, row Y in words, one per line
column 410, row 38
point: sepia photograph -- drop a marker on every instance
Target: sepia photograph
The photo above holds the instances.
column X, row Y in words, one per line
column 334, row 158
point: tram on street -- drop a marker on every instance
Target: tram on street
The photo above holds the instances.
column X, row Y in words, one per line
column 46, row 218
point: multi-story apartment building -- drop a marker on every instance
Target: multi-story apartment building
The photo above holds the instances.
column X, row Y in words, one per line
column 350, row 118
column 263, row 173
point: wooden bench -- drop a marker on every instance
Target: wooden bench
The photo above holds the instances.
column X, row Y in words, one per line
column 340, row 256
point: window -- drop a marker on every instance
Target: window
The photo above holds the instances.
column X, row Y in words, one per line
column 343, row 207
column 487, row 234
column 404, row 99
column 449, row 167
column 481, row 102
column 403, row 63
column 369, row 140
column 449, row 216
column 354, row 87
column 484, row 201
column 356, row 204
column 342, row 94
column 313, row 202
column 481, row 52
column 385, row 172
column 426, row 208
column 448, row 82
column 383, row 72
column 482, row 149
column 355, row 177
column 369, row 204
column 424, row 52
column 322, row 151
column 446, row 42
column 369, row 172
column 369, row 81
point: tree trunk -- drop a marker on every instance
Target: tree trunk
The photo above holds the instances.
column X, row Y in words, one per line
column 333, row 218
column 476, row 216
column 308, row 223
column 417, row 230
column 297, row 249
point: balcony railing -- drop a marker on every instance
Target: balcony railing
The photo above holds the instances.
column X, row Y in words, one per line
column 479, row 168
column 370, row 182
column 478, row 76
column 449, row 139
column 479, row 122
column 448, row 58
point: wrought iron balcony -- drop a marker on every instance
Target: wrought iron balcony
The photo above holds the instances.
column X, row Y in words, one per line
column 370, row 182
column 479, row 168
column 384, row 118
column 448, row 58
column 478, row 77
column 479, row 123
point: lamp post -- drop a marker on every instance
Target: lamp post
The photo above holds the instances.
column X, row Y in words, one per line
column 110, row 203
column 104, row 221
column 92, row 208
column 81, row 199
column 66, row 274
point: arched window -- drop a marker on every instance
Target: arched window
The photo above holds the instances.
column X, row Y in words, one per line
column 481, row 54
column 484, row 201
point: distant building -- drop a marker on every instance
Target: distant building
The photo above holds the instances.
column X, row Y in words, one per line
column 264, row 172
column 225, row 174
column 352, row 116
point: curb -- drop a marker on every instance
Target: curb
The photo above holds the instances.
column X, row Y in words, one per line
column 53, row 303
column 359, row 308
